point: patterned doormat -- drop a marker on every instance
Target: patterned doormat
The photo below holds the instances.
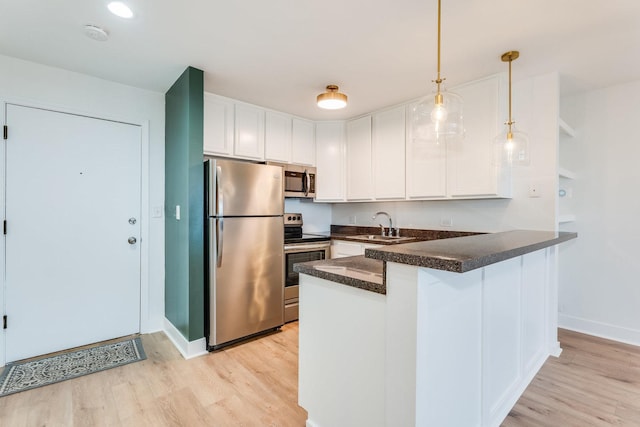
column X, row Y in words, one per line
column 21, row 376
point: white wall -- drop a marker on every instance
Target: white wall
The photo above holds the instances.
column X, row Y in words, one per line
column 34, row 84
column 535, row 110
column 600, row 270
column 316, row 216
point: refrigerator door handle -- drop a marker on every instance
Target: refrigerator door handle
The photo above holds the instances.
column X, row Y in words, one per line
column 219, row 241
column 219, row 197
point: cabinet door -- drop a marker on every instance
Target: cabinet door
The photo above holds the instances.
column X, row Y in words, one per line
column 330, row 161
column 218, row 125
column 472, row 168
column 249, row 132
column 426, row 166
column 388, row 151
column 359, row 169
column 277, row 137
column 303, row 147
column 342, row 249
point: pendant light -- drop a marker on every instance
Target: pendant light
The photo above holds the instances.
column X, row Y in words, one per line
column 438, row 117
column 512, row 146
column 332, row 99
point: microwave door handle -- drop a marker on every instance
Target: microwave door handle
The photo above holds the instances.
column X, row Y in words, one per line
column 307, row 183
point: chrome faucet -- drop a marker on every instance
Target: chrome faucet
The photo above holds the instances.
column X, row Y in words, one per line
column 382, row 227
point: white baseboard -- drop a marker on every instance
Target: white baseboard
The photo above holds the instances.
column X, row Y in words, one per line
column 188, row 349
column 599, row 329
column 555, row 350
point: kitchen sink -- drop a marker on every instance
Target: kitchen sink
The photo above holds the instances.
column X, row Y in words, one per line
column 379, row 238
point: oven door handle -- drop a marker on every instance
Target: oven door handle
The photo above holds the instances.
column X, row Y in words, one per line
column 306, row 247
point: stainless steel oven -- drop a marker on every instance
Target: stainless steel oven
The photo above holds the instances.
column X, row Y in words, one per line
column 299, row 247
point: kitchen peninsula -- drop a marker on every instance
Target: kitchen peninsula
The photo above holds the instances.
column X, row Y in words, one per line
column 432, row 333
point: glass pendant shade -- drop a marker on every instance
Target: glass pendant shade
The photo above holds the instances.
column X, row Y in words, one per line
column 512, row 147
column 437, row 118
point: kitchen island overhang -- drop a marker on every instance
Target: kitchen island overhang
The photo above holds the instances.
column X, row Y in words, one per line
column 436, row 347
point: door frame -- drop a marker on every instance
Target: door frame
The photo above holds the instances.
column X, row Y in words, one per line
column 145, row 213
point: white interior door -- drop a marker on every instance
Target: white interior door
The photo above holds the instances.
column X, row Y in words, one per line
column 72, row 211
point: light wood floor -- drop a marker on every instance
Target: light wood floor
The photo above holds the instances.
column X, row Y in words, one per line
column 254, row 384
column 594, row 383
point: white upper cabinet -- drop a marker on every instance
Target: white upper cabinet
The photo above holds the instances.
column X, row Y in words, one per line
column 464, row 168
column 249, row 132
column 426, row 166
column 388, row 154
column 359, row 168
column 277, row 138
column 330, row 155
column 303, row 147
column 472, row 169
column 218, row 125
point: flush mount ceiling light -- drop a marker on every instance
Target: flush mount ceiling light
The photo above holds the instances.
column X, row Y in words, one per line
column 120, row 9
column 332, row 99
column 512, row 146
column 96, row 33
column 438, row 117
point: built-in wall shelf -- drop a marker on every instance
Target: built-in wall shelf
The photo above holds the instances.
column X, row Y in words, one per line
column 565, row 173
column 565, row 128
column 563, row 219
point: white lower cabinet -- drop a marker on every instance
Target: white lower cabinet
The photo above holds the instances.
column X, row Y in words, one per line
column 343, row 248
column 330, row 156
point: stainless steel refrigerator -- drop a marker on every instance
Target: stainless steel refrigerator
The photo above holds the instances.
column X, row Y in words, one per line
column 245, row 243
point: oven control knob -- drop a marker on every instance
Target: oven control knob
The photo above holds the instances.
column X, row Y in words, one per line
column 289, row 217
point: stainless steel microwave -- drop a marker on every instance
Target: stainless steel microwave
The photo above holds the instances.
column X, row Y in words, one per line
column 299, row 181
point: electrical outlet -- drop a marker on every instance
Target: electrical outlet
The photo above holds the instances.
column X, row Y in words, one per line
column 534, row 191
column 446, row 222
column 352, row 219
column 156, row 212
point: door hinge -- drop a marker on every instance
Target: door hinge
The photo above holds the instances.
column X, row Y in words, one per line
column 4, row 322
column 5, row 131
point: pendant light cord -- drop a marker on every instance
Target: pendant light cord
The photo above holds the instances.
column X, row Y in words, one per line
column 510, row 119
column 438, row 79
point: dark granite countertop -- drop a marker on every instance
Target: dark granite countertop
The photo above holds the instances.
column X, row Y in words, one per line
column 359, row 234
column 356, row 271
column 456, row 254
column 462, row 254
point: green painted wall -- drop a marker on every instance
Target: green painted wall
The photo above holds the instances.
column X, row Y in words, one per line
column 184, row 187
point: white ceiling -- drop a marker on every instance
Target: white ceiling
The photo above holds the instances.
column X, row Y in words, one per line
column 281, row 53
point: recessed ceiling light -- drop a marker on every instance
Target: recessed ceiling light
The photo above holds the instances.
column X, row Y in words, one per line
column 96, row 33
column 120, row 9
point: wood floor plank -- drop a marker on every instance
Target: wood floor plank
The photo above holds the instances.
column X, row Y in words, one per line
column 594, row 382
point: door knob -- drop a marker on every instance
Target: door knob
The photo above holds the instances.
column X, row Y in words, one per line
column 132, row 221
column 132, row 240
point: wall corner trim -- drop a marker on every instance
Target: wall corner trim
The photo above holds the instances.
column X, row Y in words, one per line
column 188, row 349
